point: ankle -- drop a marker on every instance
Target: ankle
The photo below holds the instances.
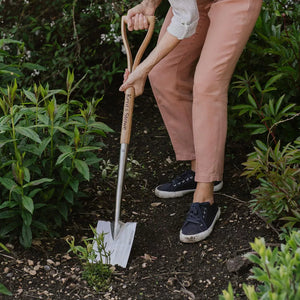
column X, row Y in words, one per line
column 204, row 192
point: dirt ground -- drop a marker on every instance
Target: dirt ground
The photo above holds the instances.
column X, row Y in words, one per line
column 160, row 266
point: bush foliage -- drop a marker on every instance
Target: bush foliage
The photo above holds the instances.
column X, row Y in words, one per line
column 277, row 271
column 46, row 151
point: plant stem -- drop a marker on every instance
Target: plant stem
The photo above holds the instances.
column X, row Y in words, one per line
column 52, row 147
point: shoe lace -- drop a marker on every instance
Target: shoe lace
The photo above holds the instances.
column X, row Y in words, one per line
column 195, row 215
column 181, row 178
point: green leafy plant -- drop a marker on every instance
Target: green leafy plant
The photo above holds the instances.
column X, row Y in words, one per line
column 95, row 260
column 46, row 150
column 271, row 58
column 69, row 34
column 277, row 270
column 263, row 110
column 278, row 171
column 12, row 61
column 275, row 41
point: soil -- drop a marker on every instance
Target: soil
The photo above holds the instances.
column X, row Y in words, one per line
column 160, row 266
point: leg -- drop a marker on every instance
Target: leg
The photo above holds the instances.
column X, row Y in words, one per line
column 231, row 23
column 172, row 85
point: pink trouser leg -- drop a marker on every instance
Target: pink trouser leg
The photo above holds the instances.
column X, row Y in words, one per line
column 191, row 83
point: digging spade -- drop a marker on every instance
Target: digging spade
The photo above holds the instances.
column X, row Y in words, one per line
column 118, row 236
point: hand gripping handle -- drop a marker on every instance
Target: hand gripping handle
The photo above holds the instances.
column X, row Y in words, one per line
column 129, row 93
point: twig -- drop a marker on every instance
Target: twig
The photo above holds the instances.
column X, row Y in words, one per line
column 256, row 213
column 78, row 47
column 185, row 290
column 269, row 224
column 167, row 273
column 7, row 256
column 234, row 198
column 281, row 121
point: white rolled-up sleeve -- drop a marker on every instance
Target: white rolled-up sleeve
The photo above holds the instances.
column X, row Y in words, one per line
column 185, row 18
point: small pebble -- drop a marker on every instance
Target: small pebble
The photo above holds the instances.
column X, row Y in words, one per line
column 47, row 268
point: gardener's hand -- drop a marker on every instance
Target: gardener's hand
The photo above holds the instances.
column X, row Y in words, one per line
column 136, row 79
column 136, row 16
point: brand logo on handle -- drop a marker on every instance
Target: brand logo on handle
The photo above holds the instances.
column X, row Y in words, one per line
column 126, row 110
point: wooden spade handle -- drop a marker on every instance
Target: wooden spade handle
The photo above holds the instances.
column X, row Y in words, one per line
column 129, row 93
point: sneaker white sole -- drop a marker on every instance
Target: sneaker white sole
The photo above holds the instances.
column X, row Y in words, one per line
column 164, row 195
column 194, row 238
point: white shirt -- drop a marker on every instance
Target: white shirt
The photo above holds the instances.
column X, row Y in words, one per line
column 185, row 18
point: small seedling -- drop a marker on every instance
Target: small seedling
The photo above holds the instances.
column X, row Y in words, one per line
column 95, row 271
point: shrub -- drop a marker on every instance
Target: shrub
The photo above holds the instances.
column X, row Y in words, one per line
column 275, row 42
column 278, row 170
column 82, row 35
column 278, row 270
column 12, row 65
column 265, row 112
column 46, row 151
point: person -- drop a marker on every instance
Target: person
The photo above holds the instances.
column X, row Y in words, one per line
column 190, row 70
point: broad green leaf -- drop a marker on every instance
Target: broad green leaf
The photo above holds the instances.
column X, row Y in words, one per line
column 288, row 107
column 8, row 183
column 28, row 203
column 33, row 193
column 26, row 237
column 32, row 66
column 27, row 217
column 271, row 107
column 261, row 145
column 257, row 84
column 37, row 182
column 8, row 214
column 82, row 168
column 7, row 228
column 65, row 149
column 32, row 148
column 69, row 196
column 87, row 148
column 39, row 225
column 4, row 142
column 43, row 118
column 9, row 41
column 272, row 80
column 278, row 104
column 31, row 96
column 66, row 132
column 9, row 204
column 74, row 183
column 259, row 130
column 44, row 144
column 100, row 126
column 252, row 101
column 62, row 157
column 25, row 131
column 4, row 290
column 26, row 174
column 63, row 210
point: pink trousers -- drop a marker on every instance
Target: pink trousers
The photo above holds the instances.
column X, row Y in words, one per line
column 191, row 83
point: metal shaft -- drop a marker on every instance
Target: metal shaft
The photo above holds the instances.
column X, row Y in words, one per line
column 121, row 172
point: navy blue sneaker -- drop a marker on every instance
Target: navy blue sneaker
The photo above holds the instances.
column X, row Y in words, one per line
column 200, row 222
column 182, row 185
